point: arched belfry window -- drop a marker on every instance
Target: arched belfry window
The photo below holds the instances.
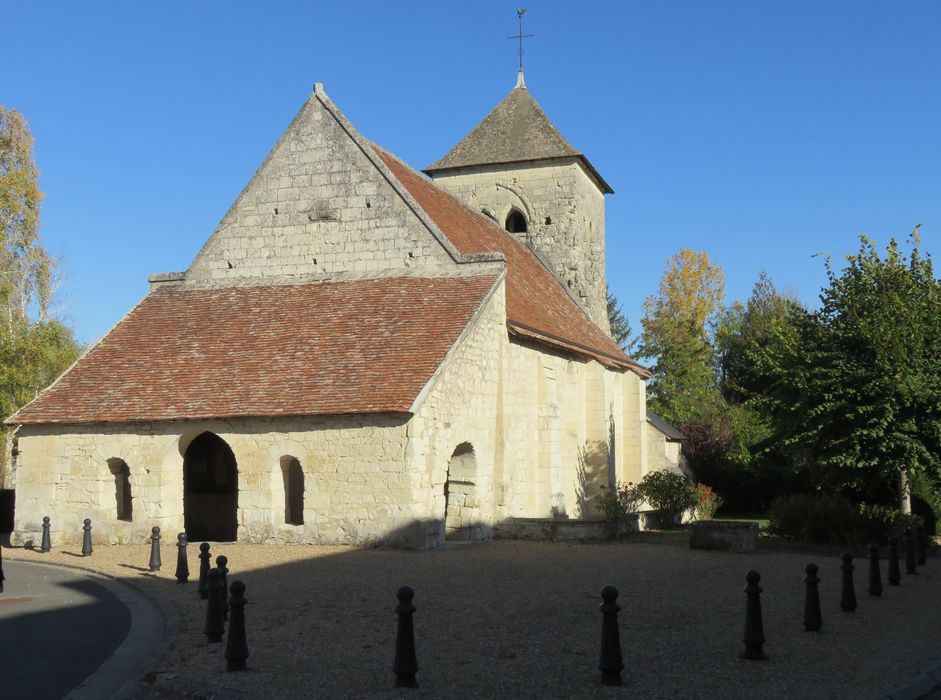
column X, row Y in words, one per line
column 122, row 488
column 516, row 222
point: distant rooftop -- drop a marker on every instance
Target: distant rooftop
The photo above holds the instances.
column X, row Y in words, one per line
column 517, row 130
column 672, row 434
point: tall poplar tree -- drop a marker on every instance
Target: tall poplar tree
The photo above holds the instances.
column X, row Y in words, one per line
column 34, row 348
column 677, row 327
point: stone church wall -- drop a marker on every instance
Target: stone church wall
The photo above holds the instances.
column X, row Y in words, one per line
column 357, row 488
column 566, row 432
column 316, row 206
column 461, row 408
column 565, row 212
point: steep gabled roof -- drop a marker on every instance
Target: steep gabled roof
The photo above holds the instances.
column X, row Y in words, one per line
column 536, row 304
column 517, row 130
column 361, row 346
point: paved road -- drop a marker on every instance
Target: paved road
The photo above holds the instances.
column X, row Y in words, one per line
column 57, row 626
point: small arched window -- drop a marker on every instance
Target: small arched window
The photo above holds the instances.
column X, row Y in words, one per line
column 122, row 488
column 293, row 491
column 516, row 222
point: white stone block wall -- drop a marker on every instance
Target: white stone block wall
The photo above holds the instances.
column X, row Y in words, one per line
column 356, row 485
column 317, row 205
column 460, row 407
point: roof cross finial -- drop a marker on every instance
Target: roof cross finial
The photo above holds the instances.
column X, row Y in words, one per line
column 519, row 14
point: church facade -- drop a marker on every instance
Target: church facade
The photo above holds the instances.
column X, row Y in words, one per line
column 359, row 353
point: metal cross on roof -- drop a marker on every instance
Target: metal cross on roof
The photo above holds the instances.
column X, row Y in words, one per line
column 519, row 13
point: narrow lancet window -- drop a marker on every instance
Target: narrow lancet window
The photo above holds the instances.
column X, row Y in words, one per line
column 293, row 491
column 122, row 488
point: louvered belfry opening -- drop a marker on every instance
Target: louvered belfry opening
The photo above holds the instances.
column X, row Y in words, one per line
column 210, row 490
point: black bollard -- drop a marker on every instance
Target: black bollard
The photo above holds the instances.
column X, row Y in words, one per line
column 221, row 561
column 46, row 544
column 895, row 575
column 182, row 564
column 155, row 548
column 204, row 557
column 610, row 662
column 236, row 646
column 875, row 575
column 86, row 538
column 920, row 541
column 215, row 626
column 2, row 577
column 848, row 594
column 812, row 618
column 910, row 567
column 405, row 665
column 754, row 637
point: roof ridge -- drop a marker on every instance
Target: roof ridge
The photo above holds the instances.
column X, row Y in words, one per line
column 497, row 228
column 547, row 335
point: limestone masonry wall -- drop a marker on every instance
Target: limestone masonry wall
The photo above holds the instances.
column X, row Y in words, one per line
column 357, row 487
column 317, row 205
column 462, row 408
column 565, row 213
column 563, row 433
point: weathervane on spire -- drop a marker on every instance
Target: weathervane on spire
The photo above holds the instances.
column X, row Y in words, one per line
column 519, row 14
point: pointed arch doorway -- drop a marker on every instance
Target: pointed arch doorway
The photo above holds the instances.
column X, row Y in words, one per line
column 210, row 490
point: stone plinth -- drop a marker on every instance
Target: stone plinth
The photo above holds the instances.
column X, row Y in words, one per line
column 723, row 535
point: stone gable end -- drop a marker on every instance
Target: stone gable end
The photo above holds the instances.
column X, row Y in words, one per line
column 317, row 206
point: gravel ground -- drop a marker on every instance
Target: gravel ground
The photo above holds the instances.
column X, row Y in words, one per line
column 520, row 619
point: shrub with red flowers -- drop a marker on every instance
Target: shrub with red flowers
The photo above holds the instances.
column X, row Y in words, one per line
column 707, row 502
column 617, row 502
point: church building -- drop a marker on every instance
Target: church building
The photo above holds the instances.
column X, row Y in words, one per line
column 360, row 353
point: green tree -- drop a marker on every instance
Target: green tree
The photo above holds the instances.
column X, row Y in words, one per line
column 34, row 348
column 853, row 388
column 676, row 334
column 621, row 329
column 741, row 330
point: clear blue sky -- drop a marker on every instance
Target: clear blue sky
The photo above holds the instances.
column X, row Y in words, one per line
column 760, row 132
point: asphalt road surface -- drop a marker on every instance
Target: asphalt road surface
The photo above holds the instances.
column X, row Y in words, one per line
column 57, row 626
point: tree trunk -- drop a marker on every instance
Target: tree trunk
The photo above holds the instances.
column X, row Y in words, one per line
column 905, row 492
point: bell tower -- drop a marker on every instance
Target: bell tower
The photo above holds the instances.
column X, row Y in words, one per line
column 516, row 168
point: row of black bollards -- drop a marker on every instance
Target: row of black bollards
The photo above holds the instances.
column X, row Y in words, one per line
column 754, row 637
column 610, row 660
column 221, row 607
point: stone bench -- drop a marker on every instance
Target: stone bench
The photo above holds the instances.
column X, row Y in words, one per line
column 724, row 535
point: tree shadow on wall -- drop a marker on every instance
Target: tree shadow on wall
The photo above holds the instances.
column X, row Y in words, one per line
column 591, row 474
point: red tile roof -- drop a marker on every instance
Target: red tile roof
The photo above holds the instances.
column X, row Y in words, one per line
column 537, row 306
column 363, row 346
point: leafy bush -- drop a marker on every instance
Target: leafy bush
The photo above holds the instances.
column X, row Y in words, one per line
column 707, row 502
column 669, row 493
column 811, row 518
column 619, row 501
column 831, row 520
column 873, row 523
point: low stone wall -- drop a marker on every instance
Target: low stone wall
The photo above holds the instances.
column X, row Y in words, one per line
column 561, row 530
column 724, row 535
